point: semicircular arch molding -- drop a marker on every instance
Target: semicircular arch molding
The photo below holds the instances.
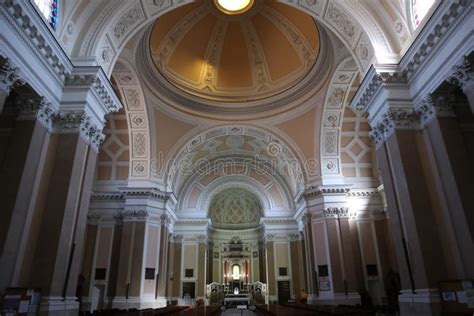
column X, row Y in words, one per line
column 133, row 99
column 333, row 113
column 238, row 142
column 267, row 200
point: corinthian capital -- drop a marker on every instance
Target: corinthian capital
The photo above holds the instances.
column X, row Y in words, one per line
column 463, row 74
column 8, row 76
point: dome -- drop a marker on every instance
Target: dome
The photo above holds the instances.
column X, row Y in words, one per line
column 235, row 208
column 234, row 57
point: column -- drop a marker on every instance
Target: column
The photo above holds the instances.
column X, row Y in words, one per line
column 270, row 268
column 50, row 212
column 421, row 216
column 297, row 267
column 112, row 276
column 178, row 246
column 451, row 173
column 262, row 262
column 343, row 266
column 201, row 276
column 130, row 264
column 311, row 289
column 87, row 263
column 163, row 259
column 13, row 160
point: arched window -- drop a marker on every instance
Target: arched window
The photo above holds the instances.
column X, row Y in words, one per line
column 419, row 9
column 49, row 9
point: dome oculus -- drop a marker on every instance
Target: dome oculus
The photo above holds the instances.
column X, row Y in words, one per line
column 233, row 7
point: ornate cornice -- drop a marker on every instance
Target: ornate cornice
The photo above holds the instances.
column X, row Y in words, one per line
column 93, row 78
column 325, row 190
column 375, row 81
column 33, row 34
column 107, row 196
column 272, row 220
column 362, row 193
column 420, row 52
column 146, row 192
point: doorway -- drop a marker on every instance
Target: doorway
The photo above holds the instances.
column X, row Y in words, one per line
column 284, row 294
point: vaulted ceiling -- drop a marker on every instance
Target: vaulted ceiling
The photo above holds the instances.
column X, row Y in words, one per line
column 243, row 57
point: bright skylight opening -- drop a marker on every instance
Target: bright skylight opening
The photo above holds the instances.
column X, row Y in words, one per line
column 420, row 9
column 49, row 10
column 234, row 6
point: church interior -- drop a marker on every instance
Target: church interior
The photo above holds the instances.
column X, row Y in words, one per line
column 236, row 157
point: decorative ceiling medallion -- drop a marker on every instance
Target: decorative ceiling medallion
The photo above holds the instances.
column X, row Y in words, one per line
column 234, row 7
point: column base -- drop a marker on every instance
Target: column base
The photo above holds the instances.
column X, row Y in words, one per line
column 139, row 302
column 423, row 302
column 312, row 298
column 329, row 298
column 56, row 305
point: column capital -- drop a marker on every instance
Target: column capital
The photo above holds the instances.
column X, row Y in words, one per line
column 27, row 106
column 391, row 120
column 177, row 238
column 92, row 219
column 463, row 73
column 268, row 238
column 135, row 215
column 202, row 239
column 337, row 212
column 295, row 237
column 9, row 76
column 165, row 220
column 433, row 106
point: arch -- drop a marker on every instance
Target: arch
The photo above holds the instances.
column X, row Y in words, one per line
column 336, row 100
column 265, row 144
column 132, row 96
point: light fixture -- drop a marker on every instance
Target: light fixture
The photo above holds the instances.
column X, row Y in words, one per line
column 233, row 7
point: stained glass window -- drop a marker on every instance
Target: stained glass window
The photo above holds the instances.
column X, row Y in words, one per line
column 419, row 9
column 49, row 9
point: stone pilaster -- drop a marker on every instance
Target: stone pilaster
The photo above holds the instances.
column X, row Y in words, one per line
column 178, row 246
column 201, row 276
column 163, row 261
column 310, row 266
column 87, row 262
column 270, row 264
column 343, row 278
column 130, row 264
column 297, row 259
